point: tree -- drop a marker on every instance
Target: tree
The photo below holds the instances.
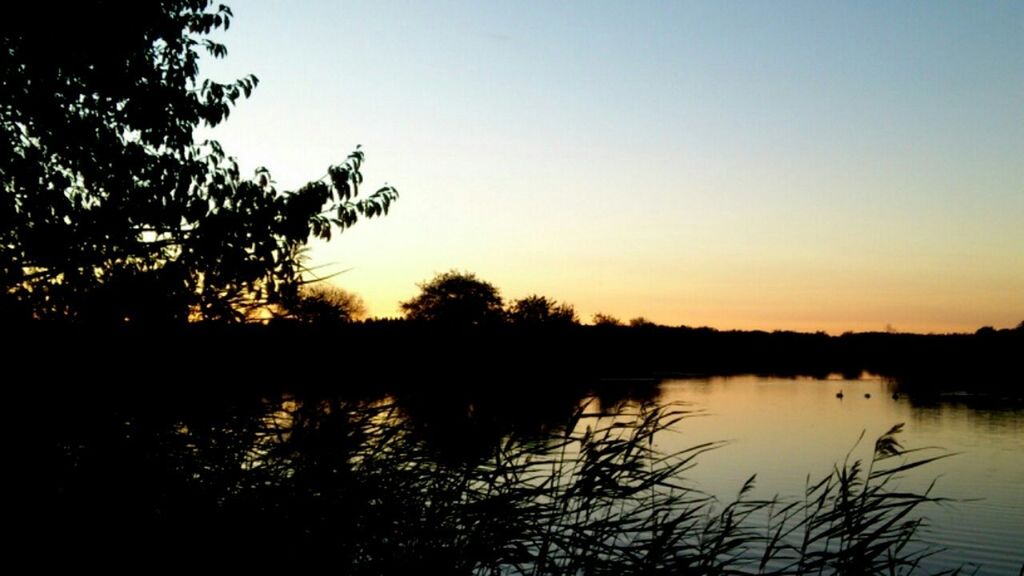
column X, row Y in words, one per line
column 109, row 210
column 640, row 322
column 325, row 304
column 602, row 319
column 456, row 299
column 537, row 310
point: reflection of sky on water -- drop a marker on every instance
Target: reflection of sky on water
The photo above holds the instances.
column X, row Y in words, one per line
column 784, row 429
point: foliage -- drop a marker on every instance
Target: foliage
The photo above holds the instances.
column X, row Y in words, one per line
column 109, row 210
column 538, row 311
column 456, row 298
column 601, row 319
column 324, row 304
column 640, row 322
column 304, row 475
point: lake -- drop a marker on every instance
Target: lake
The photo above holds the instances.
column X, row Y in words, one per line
column 784, row 429
column 456, row 477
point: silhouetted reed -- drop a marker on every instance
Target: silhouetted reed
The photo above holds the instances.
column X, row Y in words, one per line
column 358, row 482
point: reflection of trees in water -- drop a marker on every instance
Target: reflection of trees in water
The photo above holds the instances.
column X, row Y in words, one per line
column 616, row 394
column 458, row 482
column 990, row 414
column 989, row 402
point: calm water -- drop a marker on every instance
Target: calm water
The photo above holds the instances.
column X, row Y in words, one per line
column 318, row 471
column 785, row 429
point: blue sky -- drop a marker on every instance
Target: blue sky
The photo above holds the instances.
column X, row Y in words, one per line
column 802, row 165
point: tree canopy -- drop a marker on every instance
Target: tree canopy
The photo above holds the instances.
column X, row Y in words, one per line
column 110, row 210
column 602, row 319
column 537, row 311
column 323, row 304
column 456, row 299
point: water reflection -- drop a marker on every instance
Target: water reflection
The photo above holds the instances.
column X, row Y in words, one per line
column 460, row 476
column 785, row 429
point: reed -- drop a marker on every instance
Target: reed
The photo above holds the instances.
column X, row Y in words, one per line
column 360, row 485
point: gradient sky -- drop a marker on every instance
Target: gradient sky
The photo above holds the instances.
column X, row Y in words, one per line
column 773, row 165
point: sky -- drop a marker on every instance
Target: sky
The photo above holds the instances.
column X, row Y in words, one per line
column 741, row 165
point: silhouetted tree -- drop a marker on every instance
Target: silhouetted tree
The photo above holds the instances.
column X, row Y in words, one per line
column 537, row 310
column 601, row 319
column 109, row 210
column 324, row 304
column 456, row 299
column 640, row 322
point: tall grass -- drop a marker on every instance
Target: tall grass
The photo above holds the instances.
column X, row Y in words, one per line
column 357, row 484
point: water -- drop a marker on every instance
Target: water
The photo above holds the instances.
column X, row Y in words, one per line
column 785, row 429
column 312, row 472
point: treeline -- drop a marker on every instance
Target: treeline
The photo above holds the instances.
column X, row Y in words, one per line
column 459, row 332
column 459, row 323
column 409, row 353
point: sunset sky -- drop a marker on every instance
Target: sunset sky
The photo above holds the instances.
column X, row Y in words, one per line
column 773, row 165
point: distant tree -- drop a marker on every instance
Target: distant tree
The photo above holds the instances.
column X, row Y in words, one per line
column 640, row 322
column 537, row 310
column 456, row 299
column 601, row 319
column 110, row 211
column 324, row 304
